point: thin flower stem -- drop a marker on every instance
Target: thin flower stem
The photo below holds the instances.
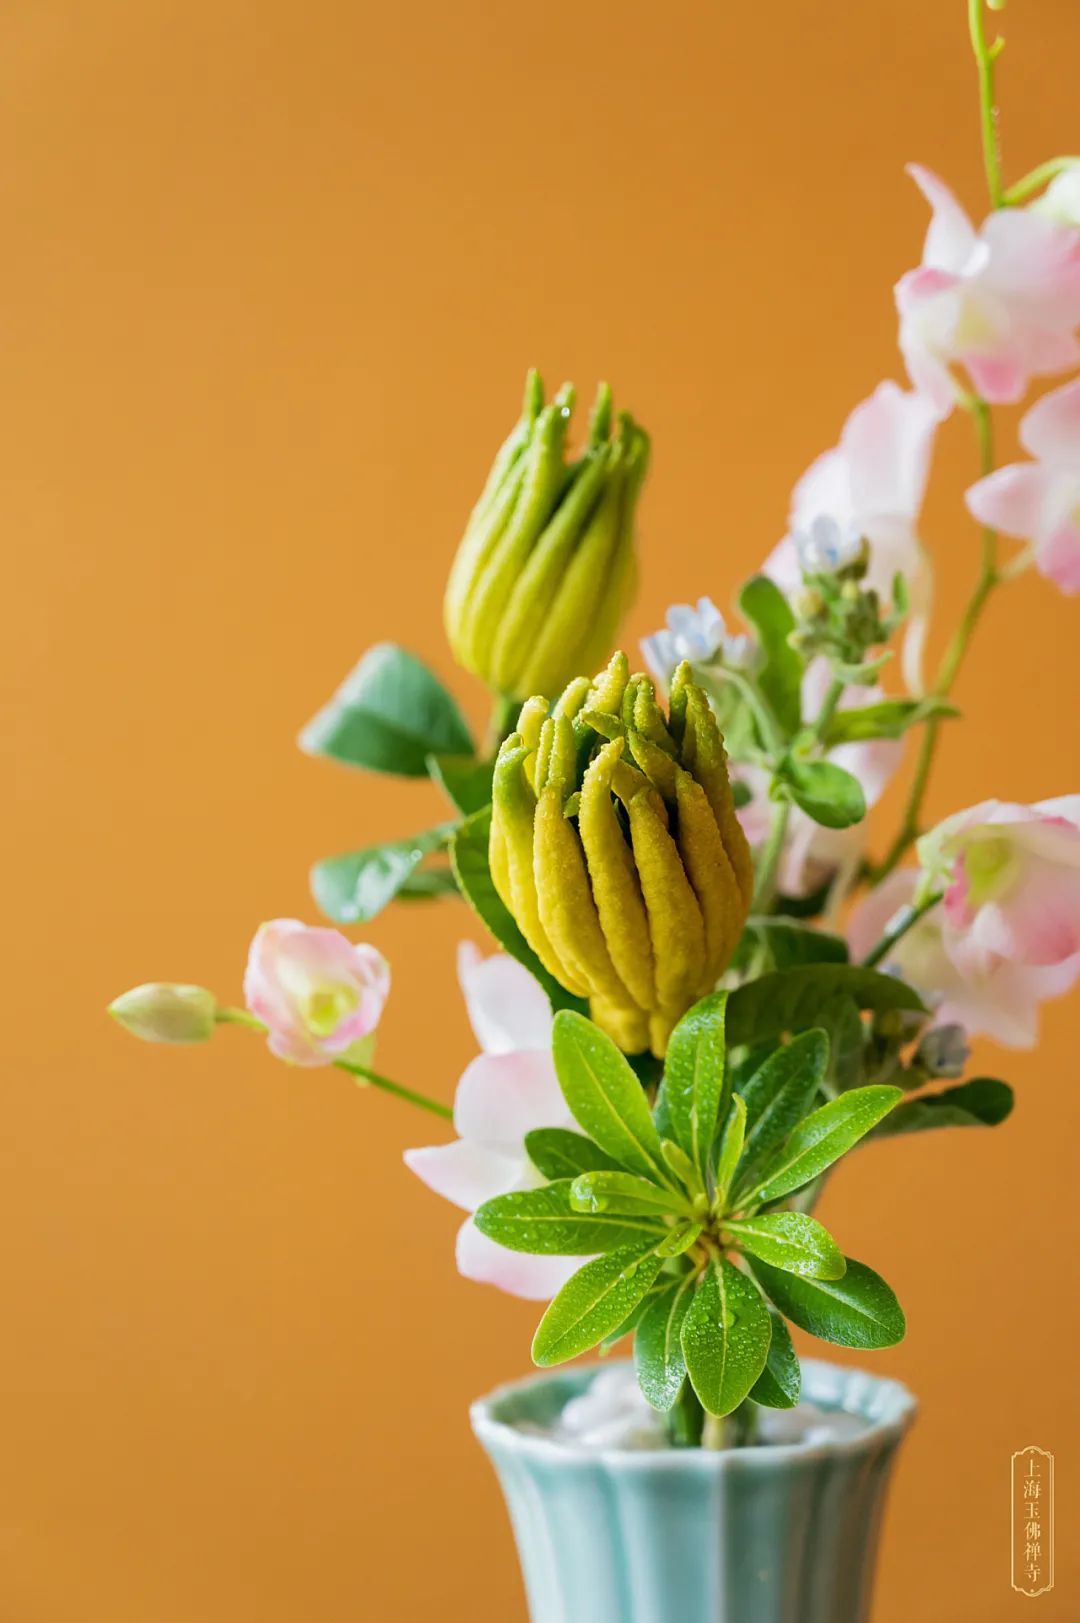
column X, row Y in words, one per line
column 986, row 56
column 899, row 928
column 1021, row 190
column 771, row 853
column 435, row 1106
column 989, row 578
column 241, row 1017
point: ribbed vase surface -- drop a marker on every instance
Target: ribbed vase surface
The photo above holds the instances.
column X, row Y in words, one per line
column 770, row 1534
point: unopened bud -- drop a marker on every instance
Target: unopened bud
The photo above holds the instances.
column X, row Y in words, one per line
column 162, row 1012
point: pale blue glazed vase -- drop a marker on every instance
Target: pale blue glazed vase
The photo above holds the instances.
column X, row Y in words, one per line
column 771, row 1534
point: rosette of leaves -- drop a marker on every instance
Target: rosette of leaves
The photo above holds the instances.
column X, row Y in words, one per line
column 688, row 1210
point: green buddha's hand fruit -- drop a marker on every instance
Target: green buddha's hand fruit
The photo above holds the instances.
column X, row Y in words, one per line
column 615, row 845
column 546, row 567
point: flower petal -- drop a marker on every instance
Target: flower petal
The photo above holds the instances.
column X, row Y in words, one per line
column 501, row 1097
column 507, row 1006
column 466, row 1173
column 1051, row 429
column 537, row 1279
column 1011, row 500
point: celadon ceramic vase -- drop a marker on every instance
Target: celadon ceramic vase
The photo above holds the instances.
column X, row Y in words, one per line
column 767, row 1534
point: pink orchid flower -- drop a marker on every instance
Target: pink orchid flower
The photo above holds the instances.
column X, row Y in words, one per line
column 872, row 485
column 504, row 1093
column 998, row 1000
column 1039, row 501
column 1002, row 302
column 316, row 993
column 814, row 856
column 1012, row 882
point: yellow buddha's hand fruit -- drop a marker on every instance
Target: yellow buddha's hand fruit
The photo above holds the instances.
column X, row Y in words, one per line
column 546, row 567
column 615, row 845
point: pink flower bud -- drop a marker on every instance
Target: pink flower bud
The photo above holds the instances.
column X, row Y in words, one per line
column 316, row 993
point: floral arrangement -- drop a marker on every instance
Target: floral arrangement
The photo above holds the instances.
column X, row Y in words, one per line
column 709, row 989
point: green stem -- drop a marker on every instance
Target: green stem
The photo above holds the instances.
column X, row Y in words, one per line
column 1021, row 190
column 904, row 921
column 714, row 1432
column 387, row 1086
column 241, row 1017
column 771, row 852
column 828, row 709
column 989, row 578
column 986, row 56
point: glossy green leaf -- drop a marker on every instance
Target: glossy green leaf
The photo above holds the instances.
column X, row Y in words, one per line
column 389, row 715
column 634, row 1318
column 790, row 1240
column 827, row 793
column 788, row 1000
column 778, row 1095
column 593, row 1303
column 764, row 605
column 658, row 1354
column 545, row 1222
column 677, row 1161
column 779, row 1386
column 820, row 1139
column 469, row 856
column 732, row 1141
column 695, row 1089
column 982, row 1102
column 426, row 884
column 679, row 1239
column 353, row 888
column 464, row 780
column 859, row 1310
column 559, row 1153
column 619, row 1192
column 784, row 942
column 890, row 718
column 725, row 1337
column 605, row 1097
column 841, row 1021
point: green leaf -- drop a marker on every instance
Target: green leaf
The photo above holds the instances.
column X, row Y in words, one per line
column 779, row 1094
column 623, row 1192
column 982, row 1102
column 788, row 942
column 594, row 1302
column 788, row 1000
column 389, row 715
column 559, row 1153
column 469, row 856
column 604, row 1095
column 859, row 1310
column 658, row 1354
column 792, row 1241
column 679, row 1239
column 424, row 884
column 353, row 888
column 545, row 1223
column 464, row 780
column 725, row 1337
column 826, row 792
column 695, row 1088
column 677, row 1161
column 731, row 1148
column 764, row 605
column 891, row 718
column 840, row 1019
column 633, row 1319
column 779, row 1386
column 820, row 1139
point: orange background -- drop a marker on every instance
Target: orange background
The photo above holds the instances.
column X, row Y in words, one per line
column 271, row 277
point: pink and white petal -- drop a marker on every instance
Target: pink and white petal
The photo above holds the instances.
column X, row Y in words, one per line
column 1004, row 1008
column 1065, row 807
column 536, row 1279
column 1058, row 558
column 999, row 377
column 874, row 763
column 1035, row 262
column 887, row 442
column 1038, row 924
column 825, row 487
column 951, row 239
column 1051, row 429
column 1011, row 500
column 872, row 915
column 466, row 1173
column 507, row 1006
column 501, row 1097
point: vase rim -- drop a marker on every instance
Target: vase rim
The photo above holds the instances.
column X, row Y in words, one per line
column 887, row 1406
